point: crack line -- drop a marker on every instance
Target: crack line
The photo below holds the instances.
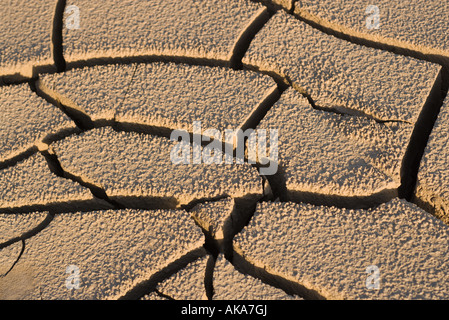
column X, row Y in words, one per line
column 17, row 260
column 272, row 278
column 420, row 135
column 147, row 286
column 56, row 168
column 57, row 47
column 247, row 35
column 163, row 295
column 41, row 226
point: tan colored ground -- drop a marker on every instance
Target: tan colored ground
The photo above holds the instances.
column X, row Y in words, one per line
column 92, row 206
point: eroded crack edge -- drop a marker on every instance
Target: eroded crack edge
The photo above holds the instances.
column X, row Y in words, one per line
column 278, row 77
column 420, row 135
column 274, row 7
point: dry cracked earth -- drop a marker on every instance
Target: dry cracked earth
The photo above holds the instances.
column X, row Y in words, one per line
column 92, row 207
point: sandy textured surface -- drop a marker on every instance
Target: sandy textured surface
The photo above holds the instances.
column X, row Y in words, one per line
column 163, row 95
column 328, row 250
column 113, row 250
column 340, row 75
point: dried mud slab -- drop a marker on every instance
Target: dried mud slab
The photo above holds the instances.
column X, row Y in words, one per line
column 332, row 159
column 186, row 284
column 229, row 284
column 113, row 251
column 417, row 24
column 432, row 188
column 136, row 170
column 321, row 251
column 30, row 186
column 340, row 75
column 26, row 119
column 162, row 95
column 26, row 28
column 199, row 29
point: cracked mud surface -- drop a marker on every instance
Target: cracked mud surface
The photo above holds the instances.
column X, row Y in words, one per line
column 93, row 207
